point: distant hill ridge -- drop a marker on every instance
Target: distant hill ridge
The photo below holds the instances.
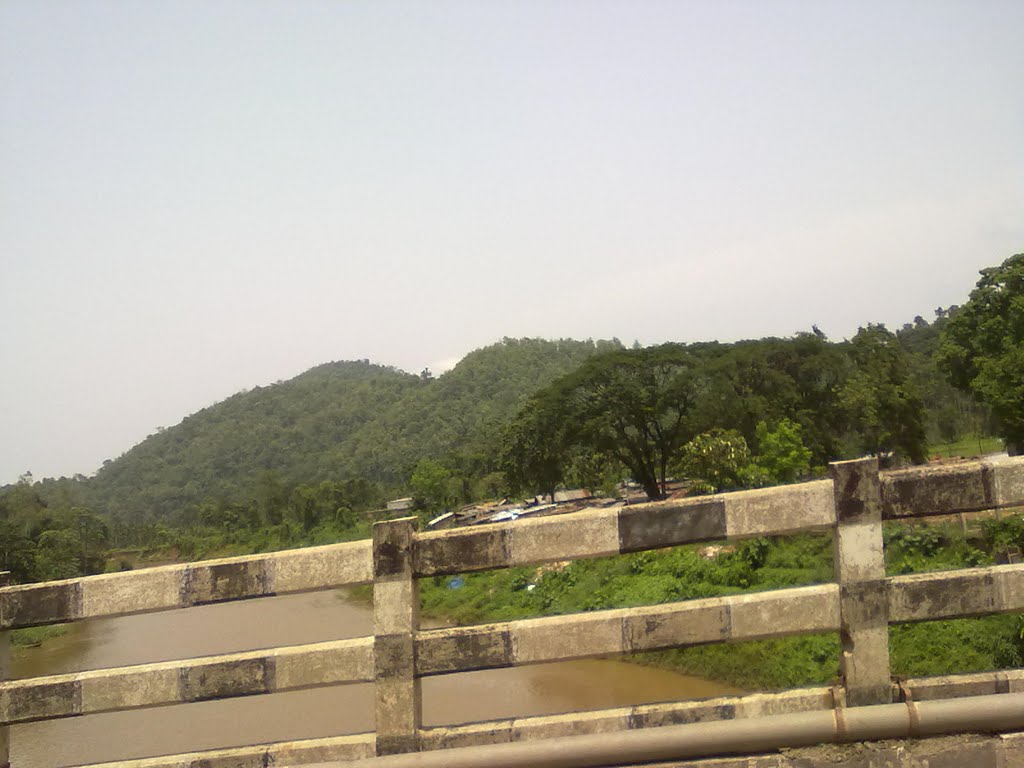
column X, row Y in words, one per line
column 336, row 421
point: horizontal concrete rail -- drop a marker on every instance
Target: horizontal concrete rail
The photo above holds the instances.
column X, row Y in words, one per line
column 628, row 630
column 596, row 533
column 182, row 586
column 968, row 487
column 346, row 748
column 180, row 682
column 284, row 754
column 957, row 686
column 628, row 718
column 955, row 594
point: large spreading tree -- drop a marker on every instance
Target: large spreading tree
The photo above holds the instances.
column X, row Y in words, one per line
column 631, row 406
column 982, row 347
column 637, row 408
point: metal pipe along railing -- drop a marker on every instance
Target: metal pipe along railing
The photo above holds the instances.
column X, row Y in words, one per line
column 982, row 714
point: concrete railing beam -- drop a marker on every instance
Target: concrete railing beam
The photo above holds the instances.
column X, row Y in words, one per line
column 629, row 630
column 178, row 682
column 183, row 586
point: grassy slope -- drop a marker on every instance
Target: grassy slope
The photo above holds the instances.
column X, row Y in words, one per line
column 974, row 445
column 32, row 636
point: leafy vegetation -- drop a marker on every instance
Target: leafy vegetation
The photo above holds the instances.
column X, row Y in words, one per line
column 644, row 578
column 634, row 408
column 720, row 460
column 982, row 347
column 951, row 414
column 968, row 446
column 715, row 460
column 40, row 541
column 880, row 398
column 637, row 408
column 33, row 636
column 336, row 422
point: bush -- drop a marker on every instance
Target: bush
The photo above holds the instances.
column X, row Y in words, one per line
column 999, row 534
column 716, row 458
column 781, row 453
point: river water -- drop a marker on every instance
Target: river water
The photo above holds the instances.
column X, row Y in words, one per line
column 293, row 620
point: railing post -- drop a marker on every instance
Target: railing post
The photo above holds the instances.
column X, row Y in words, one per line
column 860, row 571
column 396, row 607
column 5, row 662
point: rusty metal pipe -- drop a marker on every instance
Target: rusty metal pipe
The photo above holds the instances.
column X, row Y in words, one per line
column 986, row 714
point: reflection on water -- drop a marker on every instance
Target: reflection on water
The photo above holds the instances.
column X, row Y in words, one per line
column 293, row 620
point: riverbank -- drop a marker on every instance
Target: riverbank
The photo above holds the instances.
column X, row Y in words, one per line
column 33, row 637
column 299, row 619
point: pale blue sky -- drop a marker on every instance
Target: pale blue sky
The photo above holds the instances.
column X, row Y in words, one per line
column 198, row 197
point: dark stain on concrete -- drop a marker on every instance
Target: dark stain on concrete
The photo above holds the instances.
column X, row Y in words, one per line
column 666, row 524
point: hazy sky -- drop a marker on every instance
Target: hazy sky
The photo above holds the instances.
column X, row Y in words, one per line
column 198, row 197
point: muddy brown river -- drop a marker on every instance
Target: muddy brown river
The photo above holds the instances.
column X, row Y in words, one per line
column 292, row 620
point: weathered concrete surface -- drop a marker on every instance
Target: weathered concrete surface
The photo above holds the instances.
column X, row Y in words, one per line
column 763, row 512
column 780, row 510
column 860, row 570
column 958, row 686
column 177, row 682
column 5, row 661
column 629, row 630
column 952, row 594
column 396, row 607
column 1008, row 480
column 596, row 533
column 337, row 749
column 967, row 487
column 182, row 586
column 627, row 718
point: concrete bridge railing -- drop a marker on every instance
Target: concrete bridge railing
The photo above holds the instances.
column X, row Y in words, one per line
column 859, row 605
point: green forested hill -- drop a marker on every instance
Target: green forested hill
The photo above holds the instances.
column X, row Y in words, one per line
column 297, row 461
column 338, row 421
column 356, row 420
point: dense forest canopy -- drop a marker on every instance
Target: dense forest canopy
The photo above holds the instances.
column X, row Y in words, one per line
column 638, row 409
column 982, row 349
column 336, row 422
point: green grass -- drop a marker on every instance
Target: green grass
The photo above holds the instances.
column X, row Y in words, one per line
column 776, row 664
column 955, row 646
column 974, row 445
column 32, row 636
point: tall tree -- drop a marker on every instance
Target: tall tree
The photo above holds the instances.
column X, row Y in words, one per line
column 535, row 446
column 433, row 485
column 982, row 347
column 773, row 379
column 884, row 407
column 632, row 406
